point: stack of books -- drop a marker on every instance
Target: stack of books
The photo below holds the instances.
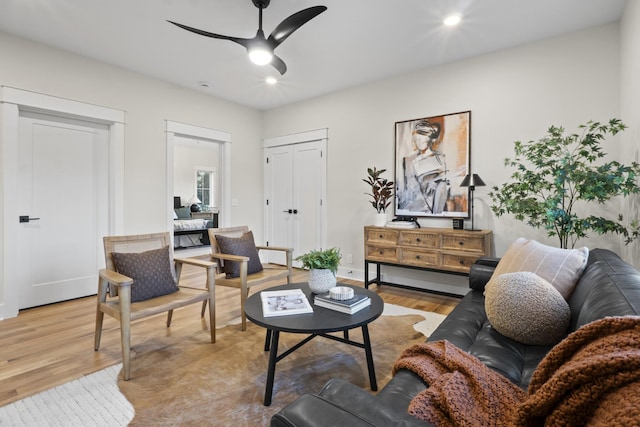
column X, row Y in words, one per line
column 349, row 306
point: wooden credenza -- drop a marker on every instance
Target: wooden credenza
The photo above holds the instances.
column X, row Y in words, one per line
column 436, row 249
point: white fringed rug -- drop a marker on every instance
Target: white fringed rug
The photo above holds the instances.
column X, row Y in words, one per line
column 92, row 400
column 96, row 400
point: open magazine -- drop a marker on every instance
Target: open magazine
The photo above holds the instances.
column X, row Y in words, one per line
column 283, row 303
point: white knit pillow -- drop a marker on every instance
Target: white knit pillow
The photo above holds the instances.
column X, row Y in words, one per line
column 560, row 267
column 526, row 308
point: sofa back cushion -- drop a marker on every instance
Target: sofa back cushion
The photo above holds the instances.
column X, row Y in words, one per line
column 560, row 267
column 608, row 287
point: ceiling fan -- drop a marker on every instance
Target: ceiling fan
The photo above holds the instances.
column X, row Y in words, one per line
column 261, row 49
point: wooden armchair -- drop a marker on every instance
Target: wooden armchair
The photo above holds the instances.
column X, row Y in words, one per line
column 114, row 290
column 245, row 281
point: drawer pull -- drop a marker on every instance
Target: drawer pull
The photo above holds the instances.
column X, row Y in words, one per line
column 380, row 236
column 418, row 240
column 461, row 262
column 381, row 253
column 417, row 256
column 461, row 243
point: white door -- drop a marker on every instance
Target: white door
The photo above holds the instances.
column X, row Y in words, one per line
column 63, row 200
column 295, row 182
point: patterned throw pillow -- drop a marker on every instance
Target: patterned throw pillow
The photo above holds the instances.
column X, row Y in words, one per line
column 526, row 308
column 242, row 246
column 560, row 267
column 151, row 272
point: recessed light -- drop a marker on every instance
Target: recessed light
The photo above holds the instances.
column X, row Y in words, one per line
column 204, row 84
column 271, row 80
column 452, row 20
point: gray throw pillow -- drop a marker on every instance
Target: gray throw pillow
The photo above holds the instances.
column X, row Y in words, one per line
column 183, row 213
column 243, row 246
column 151, row 272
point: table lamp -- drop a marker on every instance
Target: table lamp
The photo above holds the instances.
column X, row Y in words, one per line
column 472, row 181
column 194, row 202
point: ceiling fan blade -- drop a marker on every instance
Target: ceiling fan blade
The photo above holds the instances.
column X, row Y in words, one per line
column 279, row 65
column 241, row 41
column 292, row 23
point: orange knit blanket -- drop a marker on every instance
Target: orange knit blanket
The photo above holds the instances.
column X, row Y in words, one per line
column 590, row 378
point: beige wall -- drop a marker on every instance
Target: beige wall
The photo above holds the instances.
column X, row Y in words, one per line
column 513, row 94
column 147, row 103
column 630, row 106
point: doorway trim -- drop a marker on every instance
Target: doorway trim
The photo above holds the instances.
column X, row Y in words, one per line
column 216, row 136
column 12, row 102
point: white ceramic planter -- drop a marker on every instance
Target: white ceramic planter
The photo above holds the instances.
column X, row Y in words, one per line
column 321, row 280
column 381, row 219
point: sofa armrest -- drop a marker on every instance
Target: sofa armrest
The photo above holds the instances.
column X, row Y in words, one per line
column 314, row 411
column 481, row 271
column 341, row 403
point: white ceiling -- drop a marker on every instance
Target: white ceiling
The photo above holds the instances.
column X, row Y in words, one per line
column 353, row 42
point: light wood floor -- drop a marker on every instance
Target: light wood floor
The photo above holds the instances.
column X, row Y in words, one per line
column 50, row 345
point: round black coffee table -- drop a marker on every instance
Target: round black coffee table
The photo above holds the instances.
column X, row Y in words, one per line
column 319, row 323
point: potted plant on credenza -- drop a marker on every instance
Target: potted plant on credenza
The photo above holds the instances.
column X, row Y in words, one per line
column 381, row 194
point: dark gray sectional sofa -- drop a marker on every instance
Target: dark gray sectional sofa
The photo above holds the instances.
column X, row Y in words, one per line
column 608, row 287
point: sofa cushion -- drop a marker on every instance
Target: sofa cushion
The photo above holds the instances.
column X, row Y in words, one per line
column 562, row 268
column 525, row 307
column 151, row 272
column 242, row 246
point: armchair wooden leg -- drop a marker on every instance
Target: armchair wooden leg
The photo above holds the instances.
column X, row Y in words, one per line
column 98, row 333
column 211, row 286
column 169, row 317
column 102, row 297
column 125, row 330
column 244, row 294
column 204, row 307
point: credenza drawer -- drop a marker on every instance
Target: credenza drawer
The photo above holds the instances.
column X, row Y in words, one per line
column 458, row 262
column 459, row 242
column 381, row 235
column 419, row 239
column 419, row 258
column 381, row 253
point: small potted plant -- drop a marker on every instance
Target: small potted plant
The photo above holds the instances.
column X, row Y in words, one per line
column 322, row 266
column 381, row 193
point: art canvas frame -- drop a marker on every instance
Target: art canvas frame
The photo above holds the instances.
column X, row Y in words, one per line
column 432, row 159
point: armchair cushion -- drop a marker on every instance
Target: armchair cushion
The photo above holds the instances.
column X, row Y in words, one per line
column 151, row 272
column 242, row 246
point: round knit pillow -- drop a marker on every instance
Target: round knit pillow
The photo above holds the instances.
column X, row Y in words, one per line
column 526, row 308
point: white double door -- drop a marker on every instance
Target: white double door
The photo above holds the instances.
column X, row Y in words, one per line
column 63, row 201
column 295, row 189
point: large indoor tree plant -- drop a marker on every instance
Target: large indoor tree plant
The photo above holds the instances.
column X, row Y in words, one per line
column 557, row 172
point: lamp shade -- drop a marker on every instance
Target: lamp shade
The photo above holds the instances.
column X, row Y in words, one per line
column 193, row 200
column 472, row 180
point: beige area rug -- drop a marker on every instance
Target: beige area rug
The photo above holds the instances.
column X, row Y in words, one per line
column 192, row 382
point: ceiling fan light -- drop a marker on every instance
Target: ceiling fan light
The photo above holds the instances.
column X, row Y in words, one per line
column 260, row 56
